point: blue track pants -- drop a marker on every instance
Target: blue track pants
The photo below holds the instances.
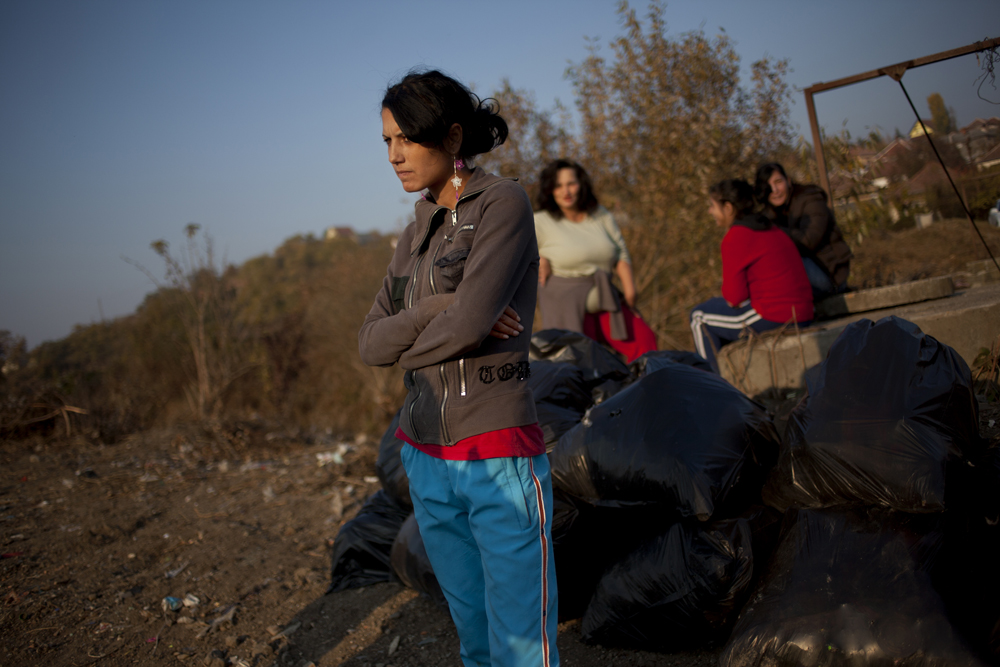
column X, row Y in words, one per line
column 715, row 323
column 487, row 528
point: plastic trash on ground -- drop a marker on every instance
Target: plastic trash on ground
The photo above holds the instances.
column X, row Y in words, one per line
column 967, row 575
column 588, row 539
column 603, row 374
column 411, row 564
column 561, row 397
column 886, row 415
column 653, row 361
column 849, row 589
column 680, row 589
column 678, row 438
column 389, row 466
column 362, row 548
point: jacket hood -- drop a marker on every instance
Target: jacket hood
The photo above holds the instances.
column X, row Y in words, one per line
column 426, row 208
column 755, row 222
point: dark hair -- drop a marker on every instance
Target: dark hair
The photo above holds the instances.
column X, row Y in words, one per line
column 426, row 104
column 737, row 192
column 761, row 187
column 586, row 199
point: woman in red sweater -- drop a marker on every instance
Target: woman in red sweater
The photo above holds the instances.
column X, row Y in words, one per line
column 764, row 284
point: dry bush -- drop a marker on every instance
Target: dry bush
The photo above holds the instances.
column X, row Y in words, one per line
column 662, row 120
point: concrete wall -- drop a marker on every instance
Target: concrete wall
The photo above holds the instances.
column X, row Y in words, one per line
column 967, row 321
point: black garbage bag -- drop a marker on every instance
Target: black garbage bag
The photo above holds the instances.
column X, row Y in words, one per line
column 603, row 374
column 561, row 397
column 966, row 574
column 362, row 547
column 680, row 589
column 588, row 539
column 410, row 563
column 389, row 466
column 653, row 361
column 889, row 412
column 678, row 438
column 849, row 588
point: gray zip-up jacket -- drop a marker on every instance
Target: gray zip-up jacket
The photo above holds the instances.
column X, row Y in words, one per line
column 451, row 277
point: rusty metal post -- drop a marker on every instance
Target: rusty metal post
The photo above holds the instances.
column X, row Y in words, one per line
column 824, row 179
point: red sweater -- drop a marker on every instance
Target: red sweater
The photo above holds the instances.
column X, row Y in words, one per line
column 760, row 263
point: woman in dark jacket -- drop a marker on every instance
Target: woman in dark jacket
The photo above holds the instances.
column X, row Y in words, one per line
column 802, row 212
column 457, row 294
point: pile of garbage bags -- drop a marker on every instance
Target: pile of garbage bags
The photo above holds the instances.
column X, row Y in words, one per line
column 868, row 535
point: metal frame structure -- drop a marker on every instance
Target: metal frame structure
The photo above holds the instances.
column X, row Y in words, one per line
column 895, row 72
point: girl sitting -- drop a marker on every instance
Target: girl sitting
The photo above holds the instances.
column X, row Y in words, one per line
column 764, row 283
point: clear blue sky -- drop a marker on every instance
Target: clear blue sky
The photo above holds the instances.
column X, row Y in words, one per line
column 121, row 121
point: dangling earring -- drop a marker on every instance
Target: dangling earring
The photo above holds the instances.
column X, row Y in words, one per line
column 456, row 181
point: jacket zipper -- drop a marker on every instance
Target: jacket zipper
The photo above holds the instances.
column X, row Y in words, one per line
column 413, row 373
column 444, row 402
column 413, row 380
column 461, row 375
column 413, row 281
column 430, row 271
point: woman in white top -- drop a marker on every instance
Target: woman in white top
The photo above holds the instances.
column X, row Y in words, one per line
column 581, row 247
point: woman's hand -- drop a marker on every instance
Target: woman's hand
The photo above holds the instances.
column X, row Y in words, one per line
column 544, row 271
column 624, row 271
column 508, row 325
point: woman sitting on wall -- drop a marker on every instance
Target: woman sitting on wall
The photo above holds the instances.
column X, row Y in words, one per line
column 801, row 211
column 580, row 245
column 764, row 283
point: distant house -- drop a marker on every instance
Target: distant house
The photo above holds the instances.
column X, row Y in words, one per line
column 889, row 163
column 932, row 174
column 991, row 159
column 976, row 139
column 918, row 131
column 340, row 233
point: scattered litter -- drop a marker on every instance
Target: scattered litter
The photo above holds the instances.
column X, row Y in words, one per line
column 336, row 505
column 394, row 645
column 371, row 479
column 191, row 600
column 227, row 616
column 68, row 483
column 103, row 627
column 268, row 494
column 992, row 422
column 149, row 477
column 172, row 604
column 14, row 538
column 336, row 456
column 289, row 630
column 170, row 574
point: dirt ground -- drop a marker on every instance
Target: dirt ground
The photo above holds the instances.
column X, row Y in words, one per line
column 94, row 537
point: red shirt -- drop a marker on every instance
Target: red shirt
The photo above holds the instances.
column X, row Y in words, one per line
column 763, row 265
column 515, row 441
